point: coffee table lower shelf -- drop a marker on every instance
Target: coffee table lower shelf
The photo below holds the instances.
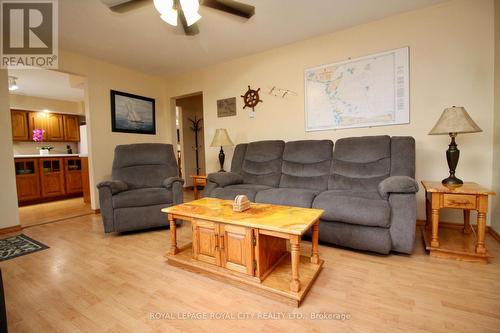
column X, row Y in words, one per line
column 276, row 285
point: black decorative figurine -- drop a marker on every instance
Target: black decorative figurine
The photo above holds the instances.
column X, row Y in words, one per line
column 454, row 120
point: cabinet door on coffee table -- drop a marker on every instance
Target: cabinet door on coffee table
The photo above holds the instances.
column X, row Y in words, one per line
column 205, row 242
column 236, row 248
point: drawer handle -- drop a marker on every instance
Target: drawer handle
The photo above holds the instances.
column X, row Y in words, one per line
column 216, row 242
column 222, row 242
column 460, row 202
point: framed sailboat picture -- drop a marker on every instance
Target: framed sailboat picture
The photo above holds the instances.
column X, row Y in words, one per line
column 132, row 114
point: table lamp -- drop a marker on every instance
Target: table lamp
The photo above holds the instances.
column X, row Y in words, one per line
column 454, row 120
column 221, row 138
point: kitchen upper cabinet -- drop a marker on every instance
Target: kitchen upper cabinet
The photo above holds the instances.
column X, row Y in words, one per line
column 20, row 128
column 71, row 128
column 37, row 120
column 58, row 127
column 55, row 127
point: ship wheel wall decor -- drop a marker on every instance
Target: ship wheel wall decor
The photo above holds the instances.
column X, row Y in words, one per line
column 251, row 98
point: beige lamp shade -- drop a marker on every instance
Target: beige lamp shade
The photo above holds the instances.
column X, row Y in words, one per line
column 221, row 138
column 455, row 120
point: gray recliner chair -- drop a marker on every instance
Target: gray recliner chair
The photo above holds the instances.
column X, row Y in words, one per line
column 144, row 180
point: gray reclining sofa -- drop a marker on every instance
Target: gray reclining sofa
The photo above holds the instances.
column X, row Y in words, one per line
column 365, row 185
column 144, row 180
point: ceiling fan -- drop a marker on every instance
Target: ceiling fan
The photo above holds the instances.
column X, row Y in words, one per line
column 186, row 11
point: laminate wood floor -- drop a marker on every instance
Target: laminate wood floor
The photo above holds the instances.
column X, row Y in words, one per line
column 91, row 282
column 53, row 211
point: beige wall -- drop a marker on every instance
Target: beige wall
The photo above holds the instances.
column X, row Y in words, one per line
column 31, row 103
column 451, row 63
column 101, row 77
column 496, row 137
column 190, row 107
column 8, row 204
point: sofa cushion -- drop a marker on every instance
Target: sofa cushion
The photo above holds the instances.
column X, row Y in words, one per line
column 287, row 196
column 259, row 162
column 360, row 164
column 306, row 164
column 356, row 236
column 142, row 197
column 362, row 208
column 231, row 191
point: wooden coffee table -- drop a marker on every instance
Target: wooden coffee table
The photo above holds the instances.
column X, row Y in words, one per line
column 249, row 249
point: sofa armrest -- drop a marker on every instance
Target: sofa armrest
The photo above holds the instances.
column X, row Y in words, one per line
column 106, row 206
column 397, row 184
column 115, row 186
column 168, row 182
column 223, row 179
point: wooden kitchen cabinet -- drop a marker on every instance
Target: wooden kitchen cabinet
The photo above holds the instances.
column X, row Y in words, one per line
column 58, row 127
column 55, row 127
column 51, row 177
column 20, row 127
column 71, row 128
column 37, row 120
column 224, row 245
column 27, row 180
column 73, row 174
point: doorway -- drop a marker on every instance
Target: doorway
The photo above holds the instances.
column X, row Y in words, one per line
column 48, row 118
column 190, row 137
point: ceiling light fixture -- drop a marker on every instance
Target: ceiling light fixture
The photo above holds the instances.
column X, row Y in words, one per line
column 169, row 10
column 12, row 83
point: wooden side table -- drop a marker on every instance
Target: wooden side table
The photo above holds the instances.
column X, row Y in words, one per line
column 198, row 180
column 464, row 243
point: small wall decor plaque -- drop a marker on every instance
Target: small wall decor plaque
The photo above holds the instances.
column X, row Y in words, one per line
column 226, row 107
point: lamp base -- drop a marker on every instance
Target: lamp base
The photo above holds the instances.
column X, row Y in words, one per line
column 222, row 157
column 452, row 181
column 452, row 155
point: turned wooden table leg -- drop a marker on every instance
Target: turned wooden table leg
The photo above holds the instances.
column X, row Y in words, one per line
column 481, row 231
column 435, row 227
column 467, row 227
column 481, row 223
column 295, row 254
column 173, row 235
column 195, row 189
column 427, row 212
column 315, row 240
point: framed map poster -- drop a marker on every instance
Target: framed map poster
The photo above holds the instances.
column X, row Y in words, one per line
column 368, row 91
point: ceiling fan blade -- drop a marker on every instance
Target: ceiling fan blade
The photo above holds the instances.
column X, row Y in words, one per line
column 231, row 7
column 188, row 30
column 126, row 6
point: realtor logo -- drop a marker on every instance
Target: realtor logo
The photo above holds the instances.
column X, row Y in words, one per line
column 29, row 33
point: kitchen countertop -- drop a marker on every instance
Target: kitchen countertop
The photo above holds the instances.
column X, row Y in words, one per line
column 45, row 156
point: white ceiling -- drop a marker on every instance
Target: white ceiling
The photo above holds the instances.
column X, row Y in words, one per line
column 141, row 40
column 47, row 84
